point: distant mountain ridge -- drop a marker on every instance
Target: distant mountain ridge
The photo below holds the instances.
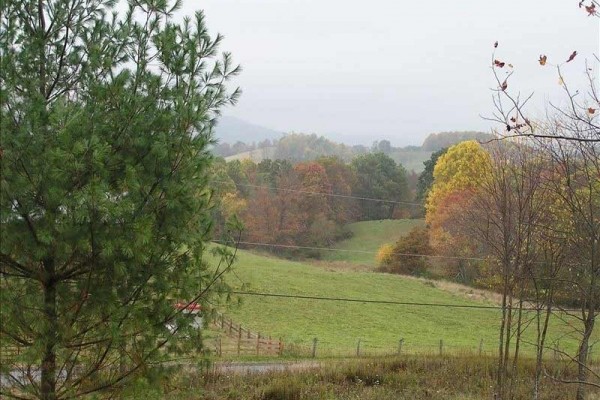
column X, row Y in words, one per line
column 232, row 130
column 240, row 140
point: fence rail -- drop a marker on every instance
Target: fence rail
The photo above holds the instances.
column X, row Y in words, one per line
column 232, row 339
column 237, row 340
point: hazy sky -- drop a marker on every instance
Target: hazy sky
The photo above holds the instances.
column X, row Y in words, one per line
column 388, row 69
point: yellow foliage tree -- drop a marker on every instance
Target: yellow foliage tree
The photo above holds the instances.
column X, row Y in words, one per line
column 458, row 170
column 456, row 177
column 384, row 254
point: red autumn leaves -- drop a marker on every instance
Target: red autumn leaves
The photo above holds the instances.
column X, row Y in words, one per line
column 572, row 56
column 543, row 58
column 501, row 64
column 591, row 9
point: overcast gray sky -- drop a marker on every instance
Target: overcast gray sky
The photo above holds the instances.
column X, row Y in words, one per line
column 357, row 71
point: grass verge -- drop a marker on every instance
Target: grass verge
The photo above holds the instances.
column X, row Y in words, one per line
column 442, row 378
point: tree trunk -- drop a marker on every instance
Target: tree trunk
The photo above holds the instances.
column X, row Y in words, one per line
column 500, row 372
column 541, row 342
column 48, row 367
column 517, row 346
column 582, row 372
column 392, row 209
column 507, row 343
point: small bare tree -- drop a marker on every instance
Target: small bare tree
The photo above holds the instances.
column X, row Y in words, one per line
column 570, row 139
column 503, row 216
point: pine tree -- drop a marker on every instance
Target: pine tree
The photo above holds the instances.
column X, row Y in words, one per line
column 106, row 119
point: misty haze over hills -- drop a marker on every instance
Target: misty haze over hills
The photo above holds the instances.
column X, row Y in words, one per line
column 231, row 129
column 239, row 140
column 356, row 72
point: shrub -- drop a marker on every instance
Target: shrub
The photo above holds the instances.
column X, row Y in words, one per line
column 416, row 242
column 384, row 254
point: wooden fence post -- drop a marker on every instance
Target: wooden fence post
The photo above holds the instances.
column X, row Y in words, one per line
column 280, row 346
column 314, row 349
column 257, row 343
column 230, row 326
column 480, row 347
column 220, row 347
column 441, row 346
column 358, row 348
column 222, row 321
column 400, row 346
column 239, row 342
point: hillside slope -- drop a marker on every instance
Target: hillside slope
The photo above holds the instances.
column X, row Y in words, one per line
column 411, row 160
column 338, row 324
column 231, row 130
column 368, row 236
column 255, row 155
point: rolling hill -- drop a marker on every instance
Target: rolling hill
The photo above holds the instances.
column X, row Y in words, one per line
column 302, row 147
column 339, row 324
column 368, row 236
column 256, row 155
column 231, row 130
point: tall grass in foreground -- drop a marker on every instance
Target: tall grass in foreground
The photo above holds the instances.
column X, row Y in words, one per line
column 410, row 377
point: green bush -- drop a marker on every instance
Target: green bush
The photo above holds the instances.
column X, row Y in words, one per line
column 401, row 262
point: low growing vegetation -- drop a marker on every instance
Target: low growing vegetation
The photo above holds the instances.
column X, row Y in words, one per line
column 414, row 378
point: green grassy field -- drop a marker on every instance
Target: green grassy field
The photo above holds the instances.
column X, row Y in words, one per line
column 411, row 159
column 368, row 236
column 338, row 325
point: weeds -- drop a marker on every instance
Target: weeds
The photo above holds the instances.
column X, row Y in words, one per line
column 386, row 378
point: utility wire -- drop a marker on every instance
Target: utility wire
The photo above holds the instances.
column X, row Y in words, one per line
column 290, row 246
column 345, row 196
column 388, row 302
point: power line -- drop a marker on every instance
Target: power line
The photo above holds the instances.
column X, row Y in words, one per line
column 385, row 302
column 350, row 300
column 346, row 196
column 290, row 246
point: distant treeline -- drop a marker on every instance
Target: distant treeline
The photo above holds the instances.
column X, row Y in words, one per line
column 298, row 147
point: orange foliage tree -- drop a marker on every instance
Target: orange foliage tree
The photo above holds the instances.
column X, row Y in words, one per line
column 457, row 174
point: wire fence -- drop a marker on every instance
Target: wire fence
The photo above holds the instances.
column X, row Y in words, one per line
column 230, row 339
column 223, row 337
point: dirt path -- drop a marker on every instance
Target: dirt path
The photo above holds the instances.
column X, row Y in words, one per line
column 242, row 368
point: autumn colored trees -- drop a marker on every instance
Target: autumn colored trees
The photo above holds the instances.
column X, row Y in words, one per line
column 566, row 238
column 524, row 215
column 308, row 203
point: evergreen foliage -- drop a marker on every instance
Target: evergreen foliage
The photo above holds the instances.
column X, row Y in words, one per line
column 106, row 120
column 397, row 261
column 379, row 177
column 426, row 177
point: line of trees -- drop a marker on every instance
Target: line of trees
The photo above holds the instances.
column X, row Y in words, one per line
column 292, row 204
column 522, row 216
column 549, row 191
